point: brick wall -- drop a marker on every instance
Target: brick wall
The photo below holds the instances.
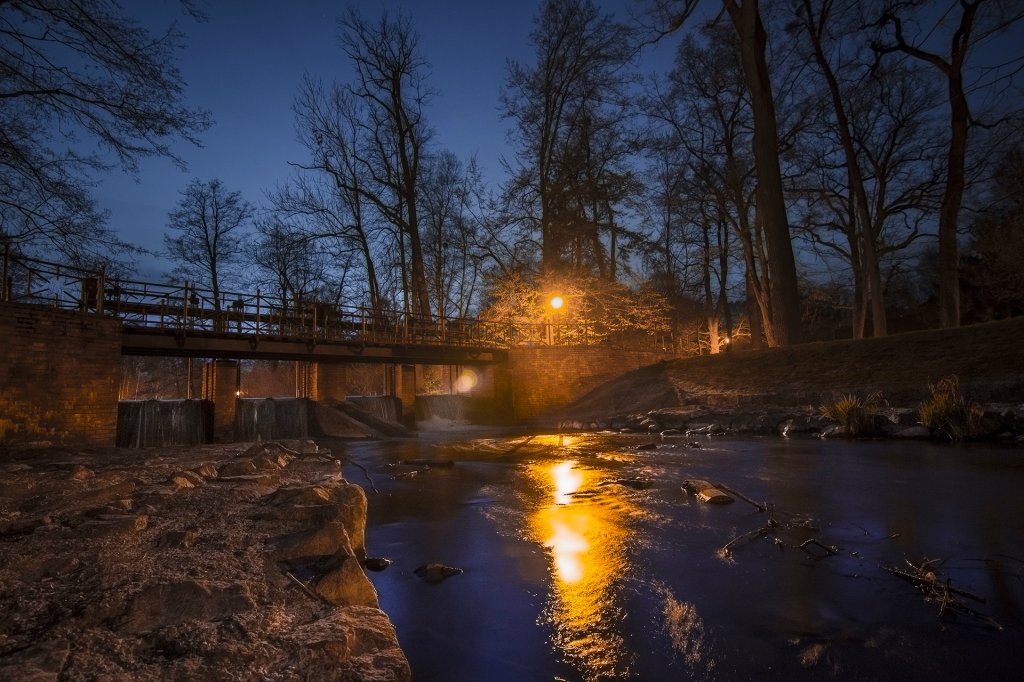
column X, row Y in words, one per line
column 59, row 376
column 537, row 382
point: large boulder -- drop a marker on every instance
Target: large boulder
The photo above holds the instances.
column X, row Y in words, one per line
column 352, row 643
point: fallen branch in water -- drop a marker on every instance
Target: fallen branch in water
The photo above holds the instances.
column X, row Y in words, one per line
column 759, row 507
column 926, row 578
column 764, row 530
column 830, row 551
column 365, row 473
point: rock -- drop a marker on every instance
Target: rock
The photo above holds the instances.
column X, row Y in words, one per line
column 42, row 662
column 206, row 470
column 185, row 479
column 158, row 606
column 274, row 463
column 104, row 495
column 705, row 492
column 914, row 432
column 180, row 538
column 242, row 467
column 434, row 573
column 308, row 546
column 20, row 526
column 376, row 563
column 81, row 473
column 347, row 585
column 266, row 479
column 109, row 525
column 352, row 643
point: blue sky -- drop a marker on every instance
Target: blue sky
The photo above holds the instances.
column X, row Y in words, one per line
column 245, row 63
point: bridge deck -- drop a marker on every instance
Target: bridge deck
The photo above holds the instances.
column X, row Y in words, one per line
column 203, row 344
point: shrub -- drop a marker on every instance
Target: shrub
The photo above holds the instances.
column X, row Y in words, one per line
column 854, row 413
column 949, row 412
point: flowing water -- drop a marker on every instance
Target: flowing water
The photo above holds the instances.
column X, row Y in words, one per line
column 584, row 560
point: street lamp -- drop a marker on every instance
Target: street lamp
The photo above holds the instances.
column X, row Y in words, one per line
column 556, row 302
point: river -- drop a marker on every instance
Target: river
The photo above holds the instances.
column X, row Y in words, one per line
column 583, row 558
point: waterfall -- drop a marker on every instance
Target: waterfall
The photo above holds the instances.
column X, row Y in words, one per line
column 440, row 411
column 386, row 407
column 156, row 423
column 270, row 418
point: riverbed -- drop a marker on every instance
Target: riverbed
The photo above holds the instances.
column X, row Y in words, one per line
column 583, row 558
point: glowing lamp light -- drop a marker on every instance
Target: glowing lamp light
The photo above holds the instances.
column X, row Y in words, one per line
column 556, row 302
column 466, row 381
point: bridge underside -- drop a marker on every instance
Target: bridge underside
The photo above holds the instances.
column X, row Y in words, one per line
column 162, row 342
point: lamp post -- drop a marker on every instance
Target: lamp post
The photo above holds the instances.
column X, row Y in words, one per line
column 556, row 302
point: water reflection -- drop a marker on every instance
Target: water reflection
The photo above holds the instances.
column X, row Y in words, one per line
column 586, row 536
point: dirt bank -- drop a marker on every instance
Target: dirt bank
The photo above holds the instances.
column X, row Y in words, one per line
column 192, row 563
column 761, row 391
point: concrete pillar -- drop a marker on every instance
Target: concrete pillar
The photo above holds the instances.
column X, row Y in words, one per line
column 406, row 392
column 220, row 384
column 329, row 381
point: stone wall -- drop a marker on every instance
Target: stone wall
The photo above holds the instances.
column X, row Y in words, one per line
column 537, row 382
column 59, row 376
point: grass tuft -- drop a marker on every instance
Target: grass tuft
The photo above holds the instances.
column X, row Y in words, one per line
column 854, row 412
column 949, row 412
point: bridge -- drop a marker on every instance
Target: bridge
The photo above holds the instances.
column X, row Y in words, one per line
column 185, row 320
column 64, row 329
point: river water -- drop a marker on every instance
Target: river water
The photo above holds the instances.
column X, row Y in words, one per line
column 584, row 559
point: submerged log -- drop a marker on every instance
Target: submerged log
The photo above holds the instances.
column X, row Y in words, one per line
column 705, row 492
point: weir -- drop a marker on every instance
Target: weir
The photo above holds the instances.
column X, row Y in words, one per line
column 270, row 418
column 157, row 423
column 441, row 410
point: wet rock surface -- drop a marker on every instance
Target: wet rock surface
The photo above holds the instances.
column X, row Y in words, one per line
column 190, row 563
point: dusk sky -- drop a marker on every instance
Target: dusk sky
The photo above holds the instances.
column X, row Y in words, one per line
column 245, row 64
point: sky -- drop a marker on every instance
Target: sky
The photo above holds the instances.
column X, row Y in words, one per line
column 245, row 63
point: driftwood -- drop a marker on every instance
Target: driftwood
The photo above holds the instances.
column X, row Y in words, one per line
column 705, row 492
column 759, row 507
column 927, row 579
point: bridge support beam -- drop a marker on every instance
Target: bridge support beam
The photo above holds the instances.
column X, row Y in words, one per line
column 220, row 385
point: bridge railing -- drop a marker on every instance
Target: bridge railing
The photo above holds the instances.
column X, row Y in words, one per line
column 186, row 308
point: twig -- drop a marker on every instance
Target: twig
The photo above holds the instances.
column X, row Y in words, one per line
column 749, row 537
column 832, row 551
column 365, row 473
column 760, row 507
column 310, row 593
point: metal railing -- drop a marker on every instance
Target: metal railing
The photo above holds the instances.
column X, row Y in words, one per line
column 187, row 308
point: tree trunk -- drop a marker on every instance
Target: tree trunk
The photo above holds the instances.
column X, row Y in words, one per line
column 785, row 296
column 863, row 240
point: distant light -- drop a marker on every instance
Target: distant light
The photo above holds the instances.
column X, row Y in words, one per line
column 466, row 381
column 727, row 340
column 238, row 394
column 556, row 302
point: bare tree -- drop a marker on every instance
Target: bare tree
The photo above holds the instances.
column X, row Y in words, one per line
column 746, row 19
column 389, row 82
column 567, row 109
column 330, row 192
column 207, row 233
column 83, row 89
column 979, row 20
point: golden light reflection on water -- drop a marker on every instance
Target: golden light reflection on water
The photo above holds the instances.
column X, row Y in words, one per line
column 586, row 537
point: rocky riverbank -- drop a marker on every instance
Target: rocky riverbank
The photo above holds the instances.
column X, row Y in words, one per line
column 209, row 562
